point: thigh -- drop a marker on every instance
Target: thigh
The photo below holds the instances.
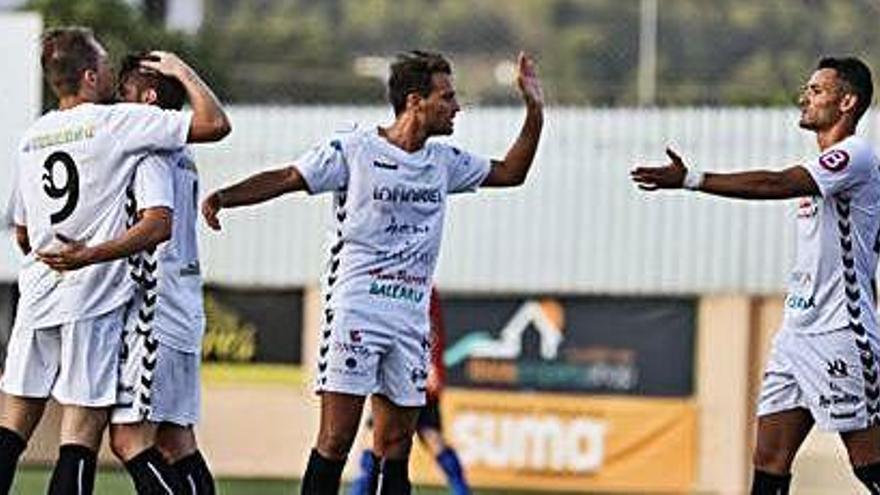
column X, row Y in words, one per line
column 21, row 414
column 779, row 437
column 350, row 355
column 33, row 357
column 404, row 369
column 176, row 394
column 90, row 349
column 393, row 427
column 863, row 446
column 340, row 418
column 83, row 425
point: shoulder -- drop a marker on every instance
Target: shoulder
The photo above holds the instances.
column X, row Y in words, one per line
column 852, row 152
column 349, row 136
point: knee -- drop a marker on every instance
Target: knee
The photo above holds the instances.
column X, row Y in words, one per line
column 772, row 460
column 335, row 443
column 175, row 443
column 126, row 442
column 393, row 443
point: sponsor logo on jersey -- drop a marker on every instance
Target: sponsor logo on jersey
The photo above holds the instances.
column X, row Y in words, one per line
column 837, row 368
column 404, row 194
column 386, row 166
column 398, row 292
column 396, row 228
column 800, row 302
column 834, row 160
column 807, row 208
column 401, row 276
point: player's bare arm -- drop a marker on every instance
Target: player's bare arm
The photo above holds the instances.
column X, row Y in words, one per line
column 209, row 121
column 255, row 189
column 153, row 227
column 792, row 182
column 512, row 171
column 22, row 239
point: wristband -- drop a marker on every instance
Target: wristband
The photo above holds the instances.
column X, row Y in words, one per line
column 693, row 180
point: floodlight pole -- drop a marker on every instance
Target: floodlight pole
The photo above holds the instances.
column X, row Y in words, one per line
column 648, row 53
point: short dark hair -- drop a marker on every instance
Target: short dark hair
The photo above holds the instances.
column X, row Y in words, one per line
column 412, row 72
column 67, row 52
column 170, row 93
column 856, row 77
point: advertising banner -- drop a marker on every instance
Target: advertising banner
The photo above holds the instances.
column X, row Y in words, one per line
column 565, row 443
column 605, row 345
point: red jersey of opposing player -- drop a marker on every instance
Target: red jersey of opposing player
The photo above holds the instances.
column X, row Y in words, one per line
column 436, row 369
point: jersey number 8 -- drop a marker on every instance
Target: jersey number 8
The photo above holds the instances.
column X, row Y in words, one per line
column 70, row 189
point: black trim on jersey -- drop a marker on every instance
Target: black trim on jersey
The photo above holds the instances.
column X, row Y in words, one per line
column 143, row 268
column 853, row 307
column 332, row 269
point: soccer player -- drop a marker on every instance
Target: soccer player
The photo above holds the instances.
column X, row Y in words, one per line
column 429, row 425
column 390, row 186
column 73, row 168
column 163, row 338
column 823, row 366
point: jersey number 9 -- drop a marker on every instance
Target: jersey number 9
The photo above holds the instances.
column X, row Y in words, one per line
column 70, row 189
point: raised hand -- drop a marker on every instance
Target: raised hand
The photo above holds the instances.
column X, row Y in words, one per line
column 527, row 80
column 670, row 176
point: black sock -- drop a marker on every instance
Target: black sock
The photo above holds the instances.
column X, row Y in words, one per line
column 152, row 475
column 74, row 472
column 869, row 476
column 322, row 476
column 195, row 474
column 11, row 448
column 394, row 477
column 770, row 484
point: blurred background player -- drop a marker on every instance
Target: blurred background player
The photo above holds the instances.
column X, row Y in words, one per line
column 390, row 187
column 66, row 339
column 823, row 366
column 429, row 426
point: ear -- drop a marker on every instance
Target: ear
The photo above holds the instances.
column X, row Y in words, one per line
column 413, row 100
column 89, row 78
column 149, row 96
column 848, row 102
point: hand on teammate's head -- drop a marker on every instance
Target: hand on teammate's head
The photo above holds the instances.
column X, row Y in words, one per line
column 669, row 176
column 166, row 63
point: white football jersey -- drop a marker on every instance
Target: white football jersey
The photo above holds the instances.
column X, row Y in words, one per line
column 74, row 167
column 832, row 283
column 179, row 314
column 389, row 207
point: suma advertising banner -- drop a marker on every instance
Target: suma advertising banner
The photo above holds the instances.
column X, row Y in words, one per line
column 567, row 443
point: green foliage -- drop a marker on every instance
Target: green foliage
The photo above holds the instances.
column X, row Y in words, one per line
column 227, row 338
column 123, row 29
column 748, row 52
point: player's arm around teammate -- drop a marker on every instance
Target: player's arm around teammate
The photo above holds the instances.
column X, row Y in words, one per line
column 76, row 66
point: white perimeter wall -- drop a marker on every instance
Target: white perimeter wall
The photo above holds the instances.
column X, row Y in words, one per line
column 20, row 97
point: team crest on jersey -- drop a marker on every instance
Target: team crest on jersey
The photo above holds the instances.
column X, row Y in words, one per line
column 834, row 160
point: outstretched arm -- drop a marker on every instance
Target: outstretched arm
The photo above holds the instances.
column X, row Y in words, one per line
column 255, row 189
column 152, row 228
column 209, row 121
column 512, row 171
column 793, row 182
